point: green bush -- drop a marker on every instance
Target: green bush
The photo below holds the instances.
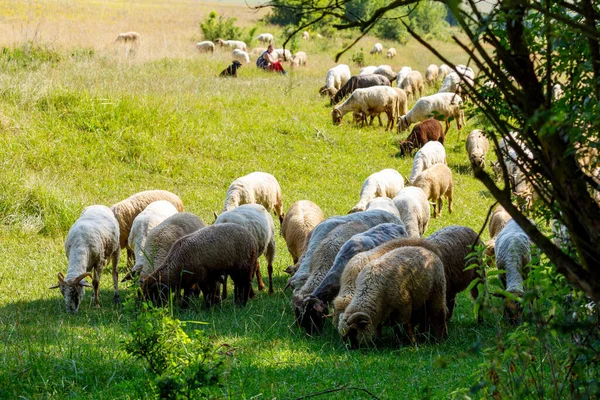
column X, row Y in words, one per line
column 359, row 58
column 214, row 28
column 391, row 29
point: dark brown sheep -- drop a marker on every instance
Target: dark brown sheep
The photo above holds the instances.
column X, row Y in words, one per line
column 359, row 82
column 426, row 131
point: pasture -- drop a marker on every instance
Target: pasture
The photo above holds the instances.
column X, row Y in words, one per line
column 81, row 124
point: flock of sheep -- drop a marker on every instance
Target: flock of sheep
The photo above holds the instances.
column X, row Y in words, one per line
column 371, row 267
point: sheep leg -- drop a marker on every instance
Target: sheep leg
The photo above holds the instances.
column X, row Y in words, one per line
column 96, row 284
column 270, row 255
column 449, row 198
column 379, row 118
column 224, row 292
column 447, row 127
column 115, row 275
column 130, row 258
column 436, row 307
column 440, row 204
column 261, row 285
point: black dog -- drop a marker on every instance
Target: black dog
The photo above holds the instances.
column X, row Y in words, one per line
column 232, row 69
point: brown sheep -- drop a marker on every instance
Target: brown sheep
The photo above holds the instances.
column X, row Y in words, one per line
column 436, row 182
column 426, row 131
column 300, row 220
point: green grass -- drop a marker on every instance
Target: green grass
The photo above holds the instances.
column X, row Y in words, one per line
column 76, row 131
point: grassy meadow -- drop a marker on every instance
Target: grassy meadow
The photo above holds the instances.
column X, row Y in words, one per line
column 80, row 124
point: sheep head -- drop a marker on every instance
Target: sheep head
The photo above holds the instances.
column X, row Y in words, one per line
column 402, row 123
column 477, row 161
column 360, row 329
column 311, row 314
column 72, row 290
column 406, row 147
column 336, row 114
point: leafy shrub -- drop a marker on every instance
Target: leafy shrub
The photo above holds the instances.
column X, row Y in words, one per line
column 214, row 28
column 28, row 54
column 391, row 29
column 359, row 58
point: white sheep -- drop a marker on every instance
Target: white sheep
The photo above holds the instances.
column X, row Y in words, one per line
column 299, row 59
column 383, row 203
column 300, row 220
column 241, row 56
column 431, row 153
column 155, row 213
column 386, row 71
column 255, row 188
column 402, row 101
column 436, row 182
column 259, row 222
column 286, row 55
column 498, row 220
column 131, row 40
column 367, row 70
column 444, row 71
column 305, row 35
column 451, row 83
column 413, row 207
column 402, row 74
column 92, row 241
column 412, row 84
column 431, row 74
column 257, row 51
column 369, row 101
column 441, row 106
column 265, row 38
column 126, row 210
column 232, row 44
column 377, row 49
column 385, row 183
column 336, row 78
column 477, row 146
column 205, row 47
column 391, row 53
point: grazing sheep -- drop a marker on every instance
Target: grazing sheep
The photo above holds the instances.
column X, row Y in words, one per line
column 154, row 214
column 265, row 38
column 369, row 101
column 371, row 218
column 201, row 258
column 386, row 71
column 383, row 203
column 397, row 288
column 91, row 242
column 125, row 211
column 335, row 79
column 412, row 84
column 402, row 101
column 391, row 53
column 431, row 74
column 444, row 71
column 259, row 222
column 160, row 239
column 255, row 188
column 369, row 70
column 385, row 183
column 440, row 106
column 430, row 130
column 431, row 153
column 205, row 47
column 477, row 146
column 498, row 220
column 241, row 56
column 314, row 307
column 232, row 44
column 436, row 182
column 451, row 83
column 413, row 207
column 257, row 51
column 285, row 54
column 359, row 82
column 402, row 74
column 455, row 243
column 377, row 49
column 305, row 35
column 302, row 217
column 467, row 78
column 299, row 59
column 131, row 40
column 231, row 70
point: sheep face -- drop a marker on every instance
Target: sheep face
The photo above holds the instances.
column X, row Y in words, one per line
column 403, row 124
column 310, row 314
column 336, row 115
column 406, row 147
column 359, row 329
column 478, row 161
column 72, row 290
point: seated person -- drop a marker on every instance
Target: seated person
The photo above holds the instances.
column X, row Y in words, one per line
column 269, row 63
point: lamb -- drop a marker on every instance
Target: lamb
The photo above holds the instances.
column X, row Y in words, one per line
column 441, row 106
column 206, row 255
column 383, row 203
column 265, row 38
column 396, row 288
column 431, row 153
column 444, row 71
column 385, row 183
column 160, row 239
column 386, row 71
column 305, row 35
column 477, row 146
column 232, row 44
column 91, row 242
column 255, row 188
column 126, row 210
column 429, row 130
column 359, row 82
column 299, row 59
column 335, row 79
column 259, row 222
column 313, row 307
column 431, row 74
column 391, row 53
column 154, row 214
column 371, row 218
column 302, row 217
column 413, row 207
column 402, row 101
column 436, row 182
column 205, row 47
column 369, row 70
column 377, row 49
column 368, row 101
column 241, row 56
column 402, row 74
column 413, row 83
